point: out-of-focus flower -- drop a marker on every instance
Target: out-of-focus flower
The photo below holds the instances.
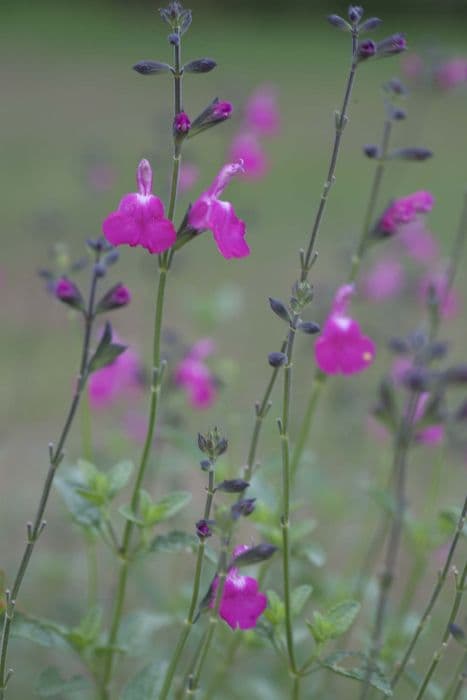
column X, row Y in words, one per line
column 262, row 113
column 139, row 219
column 121, row 378
column 451, row 73
column 242, row 602
column 412, row 66
column 449, row 300
column 384, row 280
column 189, row 174
column 247, row 148
column 404, row 211
column 195, row 376
column 209, row 212
column 342, row 348
column 418, row 242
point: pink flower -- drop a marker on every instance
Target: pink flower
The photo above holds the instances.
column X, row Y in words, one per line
column 405, row 210
column 209, row 212
column 247, row 148
column 193, row 375
column 449, row 301
column 189, row 174
column 242, row 603
column 430, row 434
column 341, row 348
column 139, row 219
column 182, row 123
column 451, row 73
column 384, row 281
column 418, row 242
column 262, row 111
column 412, row 66
column 118, row 379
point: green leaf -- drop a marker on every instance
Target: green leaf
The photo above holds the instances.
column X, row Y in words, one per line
column 43, row 632
column 275, row 612
column 106, row 352
column 51, row 684
column 335, row 622
column 146, row 684
column 136, row 634
column 166, row 508
column 118, row 476
column 299, row 598
column 83, row 512
column 128, row 514
column 86, row 633
column 175, row 541
column 359, row 673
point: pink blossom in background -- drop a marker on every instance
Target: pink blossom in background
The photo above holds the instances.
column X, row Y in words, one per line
column 451, row 73
column 189, row 174
column 119, row 379
column 247, row 148
column 384, row 280
column 412, row 66
column 139, row 219
column 400, row 367
column 193, row 375
column 405, row 210
column 430, row 434
column 262, row 113
column 242, row 602
column 450, row 303
column 341, row 348
column 209, row 212
column 418, row 242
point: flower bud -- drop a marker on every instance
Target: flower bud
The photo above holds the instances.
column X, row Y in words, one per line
column 355, row 13
column 457, row 632
column 370, row 24
column 216, row 112
column 277, row 359
column 417, row 379
column 151, row 67
column 200, row 65
column 338, row 22
column 243, row 507
column 119, row 295
column 366, row 49
column 233, row 486
column 66, row 291
column 371, row 150
column 412, row 153
column 396, row 87
column 309, row 327
column 204, row 529
column 279, row 309
column 100, row 269
column 400, row 346
column 398, row 114
column 212, row 444
column 174, row 39
column 254, row 555
column 392, row 45
column 181, row 124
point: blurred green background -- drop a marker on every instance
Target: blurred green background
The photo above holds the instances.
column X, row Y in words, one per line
column 69, row 99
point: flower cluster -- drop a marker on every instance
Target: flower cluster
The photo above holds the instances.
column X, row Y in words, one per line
column 405, row 210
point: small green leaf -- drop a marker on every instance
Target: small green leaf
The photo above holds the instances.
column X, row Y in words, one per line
column 43, row 632
column 87, row 632
column 299, row 598
column 118, row 476
column 128, row 514
column 106, row 352
column 136, row 634
column 166, row 508
column 175, row 541
column 275, row 612
column 335, row 622
column 83, row 512
column 51, row 684
column 146, row 684
column 376, row 679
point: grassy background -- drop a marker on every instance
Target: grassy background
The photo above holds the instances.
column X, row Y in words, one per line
column 67, row 93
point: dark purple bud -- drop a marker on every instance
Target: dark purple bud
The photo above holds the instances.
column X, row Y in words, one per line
column 254, row 555
column 66, row 291
column 243, row 507
column 371, row 150
column 204, row 529
column 182, row 124
column 200, row 65
column 205, row 465
column 112, row 257
column 437, row 350
column 456, row 375
column 277, row 359
column 398, row 114
column 151, row 67
column 366, row 49
column 417, row 379
column 100, row 269
column 396, row 87
column 279, row 309
column 399, row 345
column 355, row 13
column 339, row 22
column 233, row 486
column 215, row 113
column 392, row 45
column 174, row 39
column 99, row 245
column 222, row 110
column 369, row 24
column 212, row 444
column 411, row 153
column 457, row 632
column 309, row 327
column 186, row 19
column 115, row 298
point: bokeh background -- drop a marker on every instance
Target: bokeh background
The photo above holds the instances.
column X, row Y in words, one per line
column 75, row 122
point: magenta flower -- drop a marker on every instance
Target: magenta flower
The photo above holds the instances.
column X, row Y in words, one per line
column 139, row 219
column 189, row 174
column 418, row 242
column 121, row 378
column 449, row 301
column 242, row 602
column 262, row 113
column 209, row 212
column 385, row 280
column 405, row 211
column 182, row 123
column 66, row 291
column 430, row 435
column 451, row 73
column 193, row 375
column 341, row 348
column 246, row 147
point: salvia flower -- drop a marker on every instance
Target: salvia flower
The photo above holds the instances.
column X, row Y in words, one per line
column 139, row 219
column 193, row 375
column 182, row 123
column 451, row 73
column 117, row 297
column 418, row 242
column 189, row 174
column 448, row 299
column 209, row 212
column 247, row 148
column 405, row 210
column 384, row 280
column 262, row 113
column 392, row 45
column 66, row 291
column 242, row 602
column 217, row 111
column 342, row 348
column 122, row 378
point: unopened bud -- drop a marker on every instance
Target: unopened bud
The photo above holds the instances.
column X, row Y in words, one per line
column 115, row 298
column 371, row 150
column 413, row 153
column 216, row 112
column 233, row 486
column 366, row 49
column 243, row 507
column 279, row 309
column 392, row 45
column 277, row 359
column 369, row 24
column 200, row 65
column 456, row 375
column 355, row 13
column 417, row 379
column 204, row 529
column 151, row 67
column 66, row 291
column 254, row 555
column 309, row 327
column 339, row 22
column 181, row 124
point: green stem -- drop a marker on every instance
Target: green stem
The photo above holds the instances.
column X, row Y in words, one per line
column 460, row 589
column 35, row 528
column 93, row 579
column 86, row 427
column 460, row 677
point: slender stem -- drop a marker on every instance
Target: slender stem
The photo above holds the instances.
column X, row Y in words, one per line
column 454, row 691
column 433, row 598
column 35, row 528
column 296, row 688
column 457, row 248
column 93, row 579
column 86, row 426
column 190, row 620
column 460, row 589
